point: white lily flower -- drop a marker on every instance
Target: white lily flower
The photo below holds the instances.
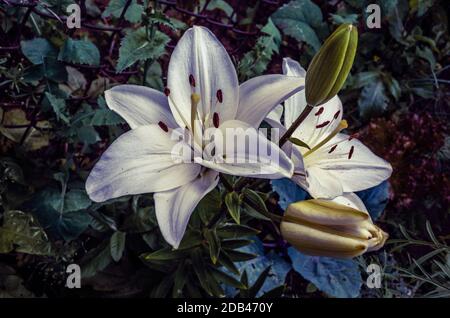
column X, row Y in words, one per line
column 202, row 93
column 336, row 163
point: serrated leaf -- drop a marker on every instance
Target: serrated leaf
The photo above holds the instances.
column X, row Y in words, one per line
column 115, row 8
column 344, row 18
column 233, row 204
column 135, row 46
column 298, row 18
column 255, row 62
column 79, row 52
column 59, row 107
column 117, row 245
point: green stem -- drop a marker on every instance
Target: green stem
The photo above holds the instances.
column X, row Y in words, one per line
column 295, row 125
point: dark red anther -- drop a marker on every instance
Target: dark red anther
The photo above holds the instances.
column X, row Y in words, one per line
column 219, row 96
column 323, row 124
column 163, row 126
column 192, row 80
column 337, row 114
column 166, row 91
column 319, row 112
column 216, row 120
column 332, row 149
column 350, row 154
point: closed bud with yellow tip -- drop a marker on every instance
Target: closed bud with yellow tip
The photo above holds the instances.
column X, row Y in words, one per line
column 331, row 65
column 340, row 228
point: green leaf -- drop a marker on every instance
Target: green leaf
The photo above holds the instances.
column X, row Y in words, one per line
column 395, row 11
column 97, row 260
column 225, row 260
column 51, row 69
column 20, row 232
column 37, row 49
column 254, row 289
column 220, row 5
column 363, row 79
column 117, row 245
column 206, row 279
column 79, row 52
column 299, row 143
column 59, row 107
column 135, row 46
column 427, row 55
column 226, row 279
column 115, row 8
column 298, row 19
column 58, row 214
column 165, row 254
column 238, row 256
column 213, row 244
column 180, row 279
column 393, row 86
column 235, row 231
column 255, row 201
column 153, row 78
column 233, row 203
column 373, row 100
column 233, row 244
column 344, row 18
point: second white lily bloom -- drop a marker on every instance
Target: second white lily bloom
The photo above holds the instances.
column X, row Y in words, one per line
column 336, row 163
column 202, row 93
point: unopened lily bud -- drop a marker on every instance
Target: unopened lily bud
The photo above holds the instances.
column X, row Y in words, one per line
column 325, row 228
column 330, row 66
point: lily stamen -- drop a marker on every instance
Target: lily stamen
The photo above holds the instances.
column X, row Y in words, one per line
column 195, row 99
column 342, row 125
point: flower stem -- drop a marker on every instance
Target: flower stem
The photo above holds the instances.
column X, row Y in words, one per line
column 295, row 125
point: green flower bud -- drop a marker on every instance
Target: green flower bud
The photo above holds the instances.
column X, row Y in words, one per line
column 330, row 66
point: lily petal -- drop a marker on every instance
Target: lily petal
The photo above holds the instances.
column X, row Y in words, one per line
column 276, row 114
column 174, row 207
column 295, row 104
column 353, row 164
column 351, row 200
column 140, row 161
column 259, row 95
column 320, row 184
column 140, row 105
column 242, row 151
column 200, row 64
